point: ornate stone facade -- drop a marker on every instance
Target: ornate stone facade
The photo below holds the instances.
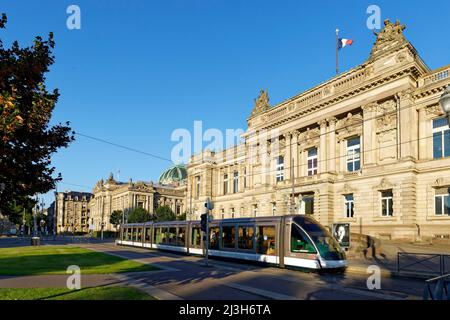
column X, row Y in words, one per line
column 72, row 211
column 368, row 132
column 111, row 195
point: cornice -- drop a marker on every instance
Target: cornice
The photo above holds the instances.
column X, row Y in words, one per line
column 360, row 88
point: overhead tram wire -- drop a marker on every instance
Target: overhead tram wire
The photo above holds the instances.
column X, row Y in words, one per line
column 123, row 147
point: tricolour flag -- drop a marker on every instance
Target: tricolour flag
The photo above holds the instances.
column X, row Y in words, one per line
column 344, row 42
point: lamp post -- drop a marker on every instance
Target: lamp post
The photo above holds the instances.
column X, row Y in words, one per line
column 444, row 101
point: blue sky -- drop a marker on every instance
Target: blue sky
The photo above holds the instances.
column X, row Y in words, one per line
column 137, row 70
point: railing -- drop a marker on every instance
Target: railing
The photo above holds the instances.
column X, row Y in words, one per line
column 437, row 288
column 423, row 263
column 310, row 97
column 435, row 77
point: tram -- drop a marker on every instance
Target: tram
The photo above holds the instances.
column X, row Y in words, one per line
column 286, row 241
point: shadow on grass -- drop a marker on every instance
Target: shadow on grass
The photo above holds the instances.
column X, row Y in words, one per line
column 89, row 263
column 71, row 292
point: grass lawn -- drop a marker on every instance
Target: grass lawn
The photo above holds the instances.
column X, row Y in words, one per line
column 96, row 293
column 55, row 260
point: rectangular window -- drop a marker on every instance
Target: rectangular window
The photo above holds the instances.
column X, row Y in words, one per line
column 349, row 205
column 196, row 237
column 235, row 182
column 441, row 138
column 214, row 233
column 232, row 213
column 157, row 236
column 172, row 236
column 265, row 243
column 386, row 203
column 353, row 154
column 225, row 184
column 280, row 169
column 245, row 238
column 229, row 237
column 181, row 236
column 164, row 235
column 442, row 202
column 312, row 161
column 148, row 234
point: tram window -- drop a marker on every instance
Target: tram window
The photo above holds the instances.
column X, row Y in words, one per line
column 229, row 237
column 124, row 234
column 139, row 234
column 128, row 234
column 196, row 237
column 148, row 234
column 157, row 238
column 181, row 236
column 300, row 242
column 266, row 240
column 214, row 233
column 133, row 234
column 245, row 238
column 164, row 235
column 172, row 236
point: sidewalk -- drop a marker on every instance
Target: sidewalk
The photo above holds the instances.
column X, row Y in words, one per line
column 387, row 259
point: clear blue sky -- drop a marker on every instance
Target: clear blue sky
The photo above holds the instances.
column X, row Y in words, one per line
column 137, row 70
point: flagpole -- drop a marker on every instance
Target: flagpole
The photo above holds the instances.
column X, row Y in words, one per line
column 337, row 51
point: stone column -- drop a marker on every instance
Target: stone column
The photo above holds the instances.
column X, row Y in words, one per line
column 369, row 134
column 332, row 145
column 408, row 125
column 288, row 157
column 423, row 155
column 322, row 147
column 295, row 153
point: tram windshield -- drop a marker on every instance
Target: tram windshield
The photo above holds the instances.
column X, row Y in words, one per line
column 328, row 247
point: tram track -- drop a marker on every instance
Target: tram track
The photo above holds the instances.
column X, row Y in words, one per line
column 185, row 276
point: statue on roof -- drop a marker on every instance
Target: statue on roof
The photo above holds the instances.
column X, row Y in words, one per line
column 390, row 32
column 261, row 103
column 391, row 36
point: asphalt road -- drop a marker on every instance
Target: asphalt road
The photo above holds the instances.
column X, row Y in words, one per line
column 186, row 277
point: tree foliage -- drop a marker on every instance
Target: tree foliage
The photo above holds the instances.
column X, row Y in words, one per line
column 139, row 215
column 27, row 140
column 116, row 217
column 164, row 213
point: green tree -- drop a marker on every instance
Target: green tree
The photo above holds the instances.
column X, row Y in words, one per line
column 182, row 217
column 139, row 215
column 27, row 140
column 164, row 213
column 116, row 217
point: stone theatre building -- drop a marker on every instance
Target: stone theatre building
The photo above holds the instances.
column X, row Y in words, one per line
column 369, row 147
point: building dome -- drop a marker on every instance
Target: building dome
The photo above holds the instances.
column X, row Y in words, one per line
column 174, row 175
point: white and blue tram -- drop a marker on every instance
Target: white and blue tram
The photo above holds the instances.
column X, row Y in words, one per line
column 285, row 241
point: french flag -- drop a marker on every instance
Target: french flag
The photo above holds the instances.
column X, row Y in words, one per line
column 344, row 42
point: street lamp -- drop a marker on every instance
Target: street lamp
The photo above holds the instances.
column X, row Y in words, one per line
column 444, row 101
